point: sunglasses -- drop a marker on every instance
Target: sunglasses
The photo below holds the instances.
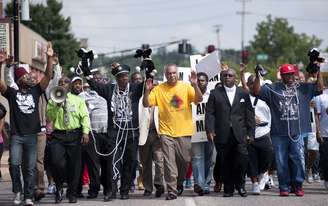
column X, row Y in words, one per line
column 228, row 75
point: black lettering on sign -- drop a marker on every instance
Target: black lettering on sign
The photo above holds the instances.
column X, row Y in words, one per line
column 200, row 108
column 180, row 75
column 200, row 127
column 215, row 78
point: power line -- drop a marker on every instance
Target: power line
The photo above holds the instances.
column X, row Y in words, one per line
column 292, row 18
column 191, row 21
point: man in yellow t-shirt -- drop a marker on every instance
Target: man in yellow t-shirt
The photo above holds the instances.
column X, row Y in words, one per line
column 173, row 99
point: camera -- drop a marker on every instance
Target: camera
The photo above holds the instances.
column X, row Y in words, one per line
column 259, row 69
column 147, row 64
column 85, row 65
column 315, row 60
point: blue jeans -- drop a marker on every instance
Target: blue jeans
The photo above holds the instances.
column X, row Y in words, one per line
column 202, row 164
column 286, row 149
column 23, row 156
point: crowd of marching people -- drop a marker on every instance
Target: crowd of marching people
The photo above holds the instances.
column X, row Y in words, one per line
column 63, row 128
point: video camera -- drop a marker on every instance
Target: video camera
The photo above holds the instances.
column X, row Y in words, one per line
column 85, row 65
column 147, row 64
column 315, row 60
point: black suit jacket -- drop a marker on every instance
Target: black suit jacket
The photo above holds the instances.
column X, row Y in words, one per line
column 106, row 91
column 222, row 118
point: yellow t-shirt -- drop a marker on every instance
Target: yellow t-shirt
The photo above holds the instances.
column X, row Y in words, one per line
column 174, row 105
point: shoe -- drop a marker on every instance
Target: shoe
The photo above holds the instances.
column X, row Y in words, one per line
column 326, row 185
column 171, row 196
column 284, row 194
column 263, row 178
column 58, row 196
column 206, row 191
column 72, row 199
column 217, row 187
column 198, row 190
column 38, row 195
column 309, row 177
column 242, row 192
column 132, row 188
column 92, row 196
column 139, row 183
column 159, row 190
column 79, row 195
column 18, row 198
column 125, row 196
column 227, row 194
column 29, row 202
column 271, row 182
column 299, row 191
column 256, row 189
column 51, row 188
column 316, row 178
column 188, row 183
column 107, row 198
column 147, row 193
column 113, row 196
column 180, row 189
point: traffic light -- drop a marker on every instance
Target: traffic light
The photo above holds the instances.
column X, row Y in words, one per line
column 244, row 56
column 184, row 47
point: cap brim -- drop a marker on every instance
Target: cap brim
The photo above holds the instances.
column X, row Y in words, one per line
column 77, row 78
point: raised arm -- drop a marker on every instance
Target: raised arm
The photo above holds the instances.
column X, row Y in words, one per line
column 148, row 87
column 242, row 76
column 48, row 73
column 194, row 84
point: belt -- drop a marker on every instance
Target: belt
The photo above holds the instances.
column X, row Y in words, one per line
column 67, row 131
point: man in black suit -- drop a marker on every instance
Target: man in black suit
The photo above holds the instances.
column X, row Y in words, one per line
column 230, row 122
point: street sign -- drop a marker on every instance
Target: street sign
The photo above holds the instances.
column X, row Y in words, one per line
column 262, row 57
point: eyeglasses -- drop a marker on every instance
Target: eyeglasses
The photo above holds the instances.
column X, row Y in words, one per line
column 228, row 75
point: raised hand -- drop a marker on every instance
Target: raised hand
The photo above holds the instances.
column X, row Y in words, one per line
column 242, row 67
column 193, row 77
column 149, row 84
column 50, row 52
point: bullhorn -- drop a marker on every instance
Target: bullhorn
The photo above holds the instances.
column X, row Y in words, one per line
column 58, row 94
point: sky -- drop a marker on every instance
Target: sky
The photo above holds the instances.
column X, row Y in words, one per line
column 113, row 25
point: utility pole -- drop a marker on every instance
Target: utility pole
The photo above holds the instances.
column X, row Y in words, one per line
column 217, row 31
column 16, row 30
column 243, row 12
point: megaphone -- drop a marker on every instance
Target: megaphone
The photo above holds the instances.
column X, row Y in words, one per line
column 58, row 94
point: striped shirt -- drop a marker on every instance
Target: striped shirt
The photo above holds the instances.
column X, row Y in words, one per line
column 97, row 107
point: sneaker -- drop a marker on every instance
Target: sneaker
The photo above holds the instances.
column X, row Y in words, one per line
column 51, row 189
column 29, row 202
column 18, row 198
column 270, row 183
column 188, row 183
column 299, row 191
column 284, row 193
column 316, row 178
column 256, row 189
column 309, row 177
column 263, row 178
column 326, row 185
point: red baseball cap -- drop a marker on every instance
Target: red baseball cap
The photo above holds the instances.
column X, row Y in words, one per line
column 19, row 72
column 287, row 69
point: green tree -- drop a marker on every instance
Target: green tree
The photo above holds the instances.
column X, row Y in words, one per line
column 276, row 38
column 53, row 26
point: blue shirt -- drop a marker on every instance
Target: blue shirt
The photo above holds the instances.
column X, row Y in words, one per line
column 290, row 108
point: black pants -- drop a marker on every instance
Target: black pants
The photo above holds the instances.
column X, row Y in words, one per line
column 324, row 158
column 66, row 156
column 234, row 165
column 218, row 167
column 260, row 154
column 128, row 154
column 91, row 160
column 105, row 145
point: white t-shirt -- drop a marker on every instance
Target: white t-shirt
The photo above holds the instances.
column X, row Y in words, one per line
column 262, row 111
column 321, row 102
